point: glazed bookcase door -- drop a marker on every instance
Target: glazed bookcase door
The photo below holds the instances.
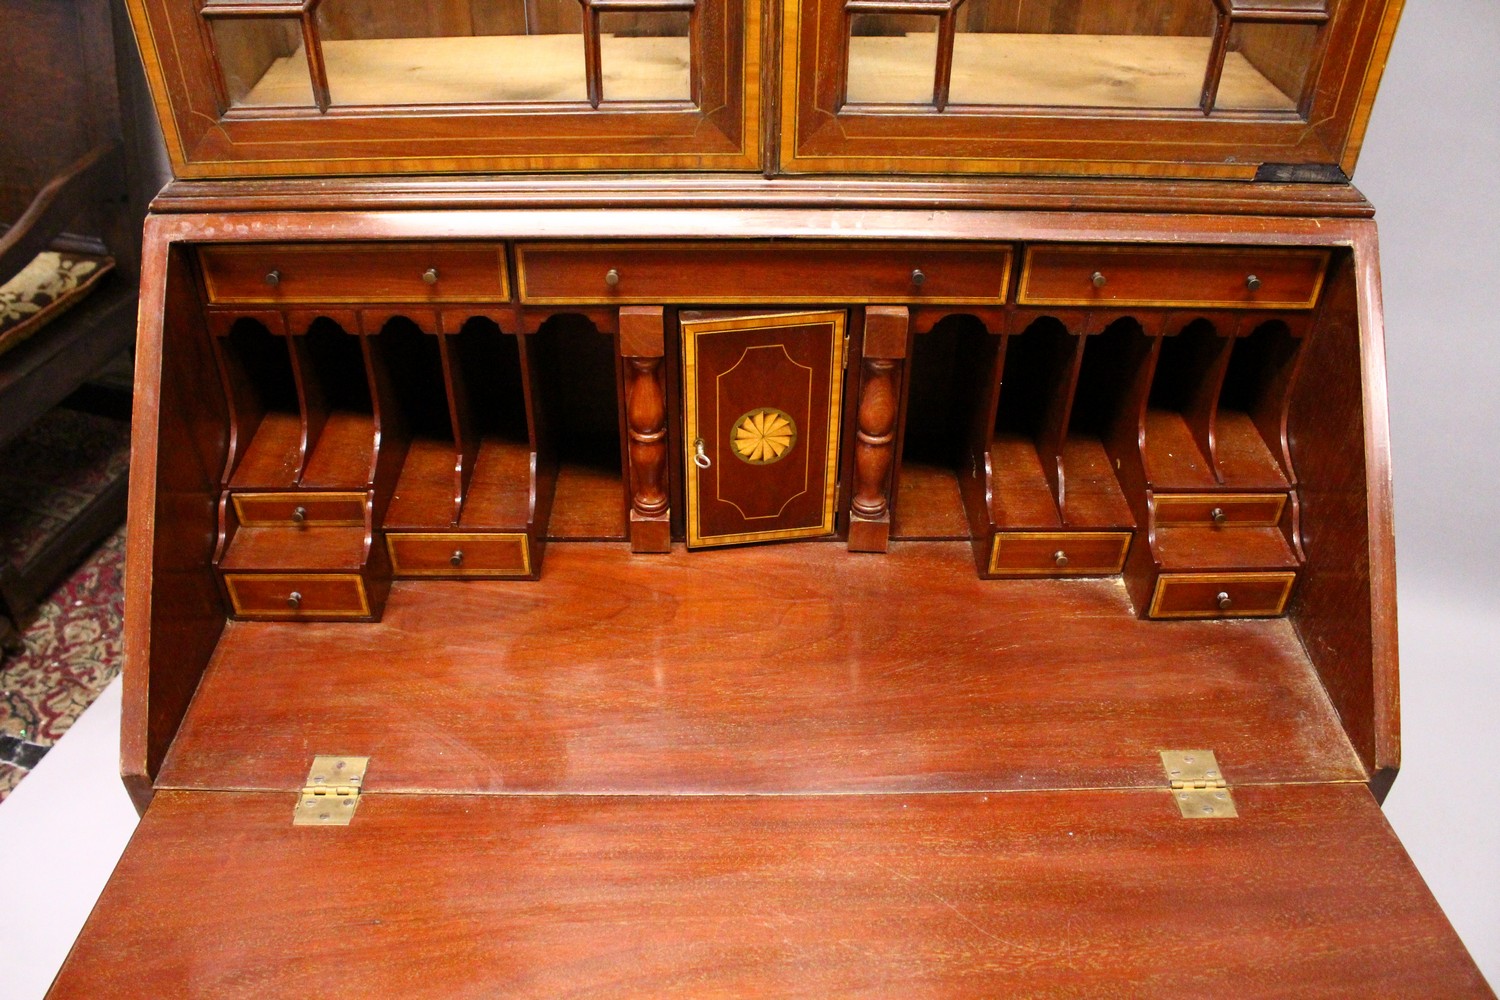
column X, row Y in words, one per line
column 361, row 86
column 1230, row 89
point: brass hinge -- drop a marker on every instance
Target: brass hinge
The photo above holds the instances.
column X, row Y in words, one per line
column 1198, row 786
column 846, row 350
column 332, row 792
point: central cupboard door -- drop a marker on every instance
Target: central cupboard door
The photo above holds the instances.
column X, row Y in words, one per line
column 373, row 86
column 762, row 405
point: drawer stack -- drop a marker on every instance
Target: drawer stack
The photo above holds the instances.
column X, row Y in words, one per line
column 1147, row 388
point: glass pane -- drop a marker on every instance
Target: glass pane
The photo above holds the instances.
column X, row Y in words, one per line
column 262, row 60
column 1266, row 67
column 385, row 53
column 892, row 58
column 646, row 57
column 1089, row 54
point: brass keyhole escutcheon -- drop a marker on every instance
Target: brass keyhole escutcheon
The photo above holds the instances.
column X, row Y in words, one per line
column 764, row 435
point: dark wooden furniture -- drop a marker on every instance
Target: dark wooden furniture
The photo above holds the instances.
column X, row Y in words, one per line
column 74, row 182
column 1073, row 671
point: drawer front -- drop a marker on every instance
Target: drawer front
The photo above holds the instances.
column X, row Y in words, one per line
column 297, row 595
column 455, row 555
column 262, row 510
column 756, row 273
column 1172, row 277
column 1211, row 510
column 351, row 273
column 1059, row 553
column 1221, row 595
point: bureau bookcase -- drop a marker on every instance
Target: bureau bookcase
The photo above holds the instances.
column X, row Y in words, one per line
column 746, row 498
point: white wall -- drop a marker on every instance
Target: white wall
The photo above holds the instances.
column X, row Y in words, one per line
column 1431, row 165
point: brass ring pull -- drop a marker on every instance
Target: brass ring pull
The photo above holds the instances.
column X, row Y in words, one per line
column 700, row 456
column 294, row 600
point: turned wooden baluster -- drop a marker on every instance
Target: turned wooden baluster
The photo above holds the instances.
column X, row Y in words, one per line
column 875, row 438
column 642, row 345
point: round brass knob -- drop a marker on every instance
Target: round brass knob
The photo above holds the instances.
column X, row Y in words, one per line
column 457, row 558
column 1060, row 558
column 1217, row 516
column 273, row 278
column 1252, row 283
column 1099, row 279
column 294, row 600
column 1223, row 601
column 299, row 515
column 611, row 277
column 918, row 278
column 430, row 276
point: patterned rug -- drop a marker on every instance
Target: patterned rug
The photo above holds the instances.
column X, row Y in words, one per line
column 72, row 650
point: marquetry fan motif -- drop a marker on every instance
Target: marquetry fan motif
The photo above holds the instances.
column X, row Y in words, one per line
column 764, row 436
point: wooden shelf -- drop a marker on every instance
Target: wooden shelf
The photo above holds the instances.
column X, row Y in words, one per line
column 304, row 549
column 928, row 504
column 1211, row 550
column 499, row 494
column 426, row 491
column 725, row 671
column 1076, row 71
column 273, row 458
column 343, row 457
column 488, row 69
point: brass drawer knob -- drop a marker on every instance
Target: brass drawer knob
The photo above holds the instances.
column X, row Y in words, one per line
column 611, row 277
column 299, row 515
column 294, row 600
column 918, row 278
column 1223, row 601
column 1252, row 283
column 273, row 278
column 1217, row 516
column 430, row 276
column 1099, row 279
column 457, row 558
column 1060, row 559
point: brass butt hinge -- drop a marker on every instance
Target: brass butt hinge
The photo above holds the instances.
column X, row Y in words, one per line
column 846, row 350
column 332, row 792
column 1198, row 786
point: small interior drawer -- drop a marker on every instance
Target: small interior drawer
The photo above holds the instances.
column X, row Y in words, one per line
column 761, row 273
column 1221, row 595
column 1212, row 510
column 455, row 555
column 256, row 510
column 1059, row 553
column 355, row 273
column 1172, row 277
column 297, row 595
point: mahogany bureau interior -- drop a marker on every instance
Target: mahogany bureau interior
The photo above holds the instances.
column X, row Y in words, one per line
column 813, row 498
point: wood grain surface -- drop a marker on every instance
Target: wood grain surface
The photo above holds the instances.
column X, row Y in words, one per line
column 1061, row 894
column 753, row 670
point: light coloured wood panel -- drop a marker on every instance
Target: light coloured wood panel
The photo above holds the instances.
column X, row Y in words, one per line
column 485, row 69
column 1098, row 71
